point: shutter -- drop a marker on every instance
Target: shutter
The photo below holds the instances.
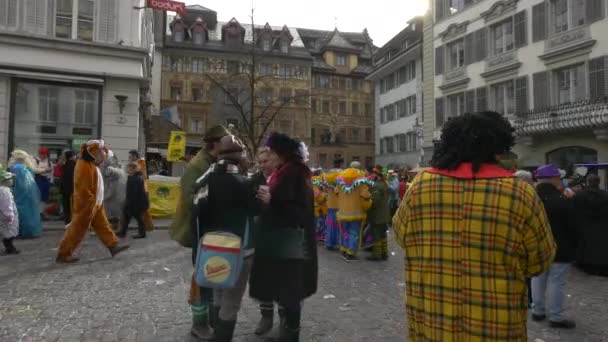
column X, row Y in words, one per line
column 8, row 18
column 597, row 78
column 539, row 22
column 481, row 44
column 595, row 10
column 35, row 16
column 521, row 33
column 469, row 48
column 521, row 95
column 439, row 9
column 439, row 60
column 482, row 102
column 469, row 100
column 106, row 21
column 541, row 89
column 439, row 112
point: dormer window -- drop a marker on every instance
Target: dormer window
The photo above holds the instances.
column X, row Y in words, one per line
column 284, row 47
column 233, row 34
column 340, row 60
column 178, row 30
column 265, row 37
column 199, row 32
column 266, row 45
column 285, row 40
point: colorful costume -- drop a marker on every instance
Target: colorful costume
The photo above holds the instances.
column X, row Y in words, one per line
column 9, row 216
column 354, row 199
column 379, row 216
column 88, row 210
column 320, row 206
column 115, row 188
column 332, row 230
column 27, row 194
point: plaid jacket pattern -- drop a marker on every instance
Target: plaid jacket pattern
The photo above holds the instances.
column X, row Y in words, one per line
column 469, row 246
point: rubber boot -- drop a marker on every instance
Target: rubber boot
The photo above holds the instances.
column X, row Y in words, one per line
column 224, row 330
column 200, row 323
column 266, row 322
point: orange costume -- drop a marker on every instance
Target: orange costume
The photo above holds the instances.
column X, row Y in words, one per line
column 87, row 204
column 141, row 162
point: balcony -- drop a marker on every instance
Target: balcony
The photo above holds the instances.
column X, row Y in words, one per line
column 583, row 115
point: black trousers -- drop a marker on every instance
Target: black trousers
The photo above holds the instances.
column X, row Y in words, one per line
column 127, row 215
column 8, row 245
column 67, row 207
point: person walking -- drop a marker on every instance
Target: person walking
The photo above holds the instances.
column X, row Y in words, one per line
column 548, row 287
column 286, row 265
column 332, row 229
column 226, row 202
column 67, row 184
column 44, row 178
column 320, row 198
column 143, row 168
column 181, row 229
column 9, row 216
column 27, row 194
column 137, row 202
column 354, row 199
column 87, row 205
column 472, row 234
column 591, row 221
column 379, row 216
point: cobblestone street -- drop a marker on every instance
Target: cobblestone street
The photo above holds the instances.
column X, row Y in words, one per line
column 141, row 296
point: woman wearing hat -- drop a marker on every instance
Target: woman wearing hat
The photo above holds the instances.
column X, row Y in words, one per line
column 9, row 217
column 27, row 195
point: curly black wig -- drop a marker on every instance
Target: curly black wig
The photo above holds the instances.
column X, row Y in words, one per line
column 284, row 146
column 476, row 138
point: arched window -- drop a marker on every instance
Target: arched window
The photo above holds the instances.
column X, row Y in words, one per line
column 565, row 157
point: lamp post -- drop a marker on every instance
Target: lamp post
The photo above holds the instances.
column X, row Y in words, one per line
column 419, row 129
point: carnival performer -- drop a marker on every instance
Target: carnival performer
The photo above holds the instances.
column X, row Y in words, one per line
column 393, row 185
column 143, row 168
column 9, row 216
column 88, row 204
column 27, row 194
column 115, row 189
column 320, row 197
column 354, row 199
column 44, row 178
column 332, row 230
column 181, row 229
column 379, row 216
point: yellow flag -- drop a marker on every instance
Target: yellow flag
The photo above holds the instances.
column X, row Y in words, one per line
column 177, row 146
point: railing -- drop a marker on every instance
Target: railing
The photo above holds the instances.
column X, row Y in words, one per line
column 566, row 117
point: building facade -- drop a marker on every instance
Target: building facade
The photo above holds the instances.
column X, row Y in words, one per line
column 540, row 63
column 397, row 76
column 72, row 71
column 342, row 100
column 214, row 72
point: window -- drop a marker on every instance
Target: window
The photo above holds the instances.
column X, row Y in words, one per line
column 326, row 107
column 9, row 14
column 369, row 162
column 266, row 44
column 177, row 64
column 368, row 135
column 284, row 46
column 285, row 95
column 265, row 69
column 340, row 60
column 383, row 86
column 390, row 82
column 342, row 83
column 504, row 97
column 199, row 65
column 342, row 108
column 355, row 108
column 196, row 126
column 355, row 135
column 286, row 71
column 455, row 105
column 75, row 19
column 265, row 97
column 402, row 142
column 176, row 92
column 456, row 54
column 402, row 75
column 412, row 105
column 571, row 85
column 197, row 93
column 234, row 67
column 232, row 95
column 567, row 14
column 48, row 104
column 313, row 106
column 356, row 84
column 322, row 81
column 502, row 36
column 390, row 147
column 301, row 97
column 84, row 111
column 390, row 113
column 368, row 109
column 455, row 6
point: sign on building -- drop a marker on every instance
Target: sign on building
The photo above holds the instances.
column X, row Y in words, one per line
column 168, row 5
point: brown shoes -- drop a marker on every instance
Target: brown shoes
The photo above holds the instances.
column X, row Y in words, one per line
column 66, row 259
column 117, row 249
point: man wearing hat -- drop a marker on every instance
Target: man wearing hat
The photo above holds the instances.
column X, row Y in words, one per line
column 9, row 216
column 548, row 287
column 182, row 226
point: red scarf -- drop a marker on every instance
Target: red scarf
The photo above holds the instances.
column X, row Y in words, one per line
column 465, row 171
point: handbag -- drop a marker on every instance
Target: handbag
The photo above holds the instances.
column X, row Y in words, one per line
column 219, row 259
column 283, row 243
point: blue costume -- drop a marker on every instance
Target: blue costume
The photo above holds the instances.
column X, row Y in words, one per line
column 27, row 199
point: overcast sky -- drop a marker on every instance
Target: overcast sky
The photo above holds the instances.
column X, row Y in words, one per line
column 383, row 18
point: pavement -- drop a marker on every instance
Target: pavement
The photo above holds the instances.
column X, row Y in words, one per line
column 140, row 295
column 53, row 225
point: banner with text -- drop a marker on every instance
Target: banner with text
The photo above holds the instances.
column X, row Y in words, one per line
column 168, row 5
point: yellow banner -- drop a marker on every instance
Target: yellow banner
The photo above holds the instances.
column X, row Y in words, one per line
column 177, row 146
column 163, row 198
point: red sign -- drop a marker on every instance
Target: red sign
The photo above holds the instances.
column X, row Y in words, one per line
column 168, row 5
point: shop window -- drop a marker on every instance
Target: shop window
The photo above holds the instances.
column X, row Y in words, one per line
column 566, row 157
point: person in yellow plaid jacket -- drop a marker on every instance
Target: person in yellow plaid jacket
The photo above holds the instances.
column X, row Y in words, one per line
column 320, row 197
column 354, row 199
column 472, row 234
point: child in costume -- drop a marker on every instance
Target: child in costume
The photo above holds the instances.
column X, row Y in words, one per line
column 354, row 199
column 115, row 189
column 332, row 230
column 9, row 217
column 27, row 194
column 88, row 207
column 320, row 206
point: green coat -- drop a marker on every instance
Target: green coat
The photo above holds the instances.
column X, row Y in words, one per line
column 181, row 228
column 380, row 212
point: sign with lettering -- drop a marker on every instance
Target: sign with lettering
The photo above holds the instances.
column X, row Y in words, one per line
column 177, row 146
column 168, row 5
